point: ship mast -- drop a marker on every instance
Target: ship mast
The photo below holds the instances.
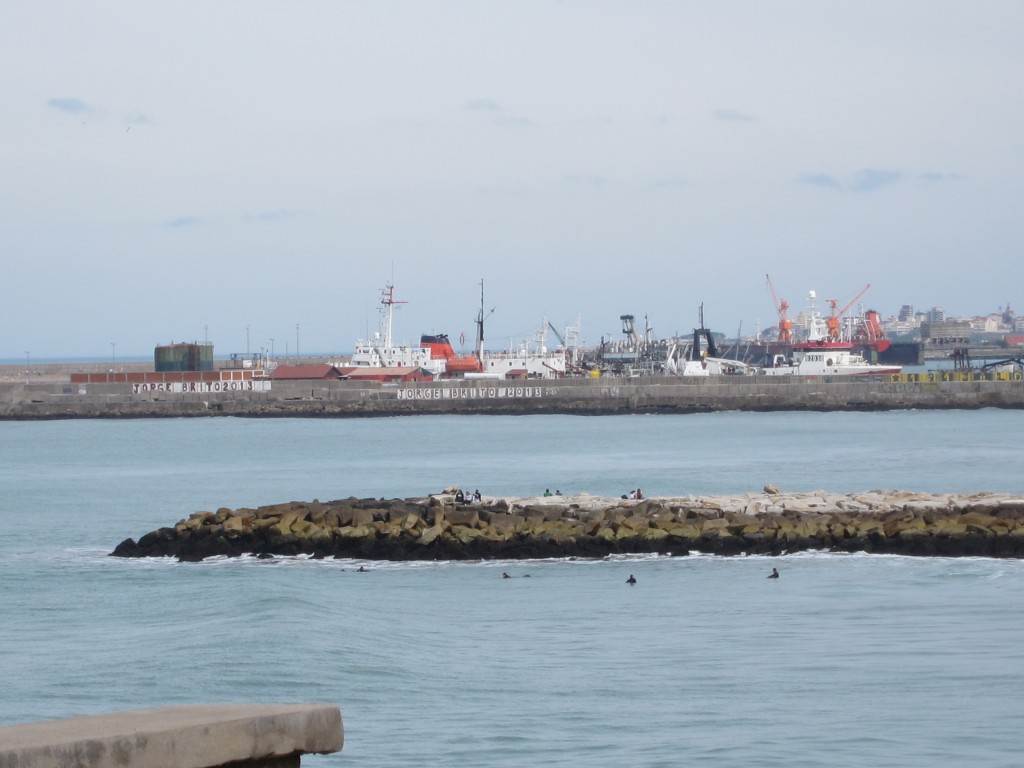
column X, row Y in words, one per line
column 387, row 299
column 480, row 326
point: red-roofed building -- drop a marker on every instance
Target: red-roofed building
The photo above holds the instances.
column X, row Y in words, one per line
column 297, row 372
column 387, row 375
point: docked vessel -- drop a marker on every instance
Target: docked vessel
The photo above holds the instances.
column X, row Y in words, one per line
column 379, row 351
column 532, row 359
column 825, row 358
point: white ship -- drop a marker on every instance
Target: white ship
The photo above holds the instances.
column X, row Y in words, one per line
column 532, row 359
column 380, row 351
column 825, row 358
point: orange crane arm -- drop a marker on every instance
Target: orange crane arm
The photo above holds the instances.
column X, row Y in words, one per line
column 781, row 306
column 832, row 321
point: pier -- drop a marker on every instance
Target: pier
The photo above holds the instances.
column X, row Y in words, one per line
column 242, row 736
column 120, row 397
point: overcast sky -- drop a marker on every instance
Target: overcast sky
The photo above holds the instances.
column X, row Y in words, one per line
column 230, row 170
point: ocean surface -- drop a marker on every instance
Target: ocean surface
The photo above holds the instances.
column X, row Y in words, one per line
column 846, row 660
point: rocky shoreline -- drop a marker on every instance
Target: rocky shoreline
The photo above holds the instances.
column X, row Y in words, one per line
column 435, row 527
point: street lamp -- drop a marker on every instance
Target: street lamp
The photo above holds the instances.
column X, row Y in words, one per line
column 113, row 353
column 271, row 349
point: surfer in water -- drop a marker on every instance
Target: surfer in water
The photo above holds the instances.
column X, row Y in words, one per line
column 774, row 574
column 631, row 580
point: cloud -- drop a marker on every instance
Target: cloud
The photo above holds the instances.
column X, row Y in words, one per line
column 70, row 105
column 871, row 179
column 671, row 182
column 734, row 116
column 513, row 122
column 867, row 180
column 934, row 177
column 821, row 180
column 183, row 221
column 588, row 181
column 483, row 105
column 277, row 215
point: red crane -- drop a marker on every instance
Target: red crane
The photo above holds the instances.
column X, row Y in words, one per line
column 782, row 307
column 835, row 317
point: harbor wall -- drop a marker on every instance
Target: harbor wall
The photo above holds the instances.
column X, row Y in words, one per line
column 202, row 736
column 606, row 395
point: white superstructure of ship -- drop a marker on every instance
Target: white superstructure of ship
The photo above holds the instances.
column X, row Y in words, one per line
column 531, row 359
column 379, row 351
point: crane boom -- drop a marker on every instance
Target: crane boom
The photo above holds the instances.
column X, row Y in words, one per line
column 782, row 307
column 836, row 316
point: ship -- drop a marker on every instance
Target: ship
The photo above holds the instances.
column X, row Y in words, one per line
column 379, row 351
column 435, row 353
column 823, row 357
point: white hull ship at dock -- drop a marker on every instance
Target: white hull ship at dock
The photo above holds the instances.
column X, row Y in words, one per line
column 825, row 358
column 379, row 351
column 435, row 354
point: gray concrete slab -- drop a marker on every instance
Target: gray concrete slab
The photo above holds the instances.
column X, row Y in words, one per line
column 174, row 737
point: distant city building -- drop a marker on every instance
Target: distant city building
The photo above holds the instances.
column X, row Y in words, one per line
column 906, row 313
column 946, row 332
column 936, row 315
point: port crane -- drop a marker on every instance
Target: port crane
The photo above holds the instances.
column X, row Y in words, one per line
column 834, row 332
column 782, row 307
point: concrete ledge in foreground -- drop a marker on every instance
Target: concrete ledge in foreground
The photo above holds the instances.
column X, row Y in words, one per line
column 177, row 737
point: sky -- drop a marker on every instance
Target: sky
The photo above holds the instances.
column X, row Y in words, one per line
column 253, row 173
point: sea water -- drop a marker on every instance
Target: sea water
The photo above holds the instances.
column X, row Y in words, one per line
column 844, row 660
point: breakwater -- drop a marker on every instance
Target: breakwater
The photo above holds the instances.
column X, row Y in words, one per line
column 605, row 395
column 438, row 528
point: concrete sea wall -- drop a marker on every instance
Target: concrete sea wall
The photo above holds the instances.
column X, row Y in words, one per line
column 204, row 736
column 607, row 395
column 438, row 528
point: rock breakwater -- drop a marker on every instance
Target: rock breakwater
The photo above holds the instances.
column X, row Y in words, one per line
column 437, row 528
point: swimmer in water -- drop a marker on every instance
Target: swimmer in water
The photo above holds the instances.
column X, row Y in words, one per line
column 505, row 575
column 774, row 574
column 631, row 579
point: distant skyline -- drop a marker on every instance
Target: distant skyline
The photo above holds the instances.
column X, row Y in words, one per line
column 175, row 172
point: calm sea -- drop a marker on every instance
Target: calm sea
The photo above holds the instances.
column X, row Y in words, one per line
column 843, row 661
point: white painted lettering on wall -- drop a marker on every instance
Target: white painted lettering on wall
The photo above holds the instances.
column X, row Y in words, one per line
column 468, row 393
column 201, row 387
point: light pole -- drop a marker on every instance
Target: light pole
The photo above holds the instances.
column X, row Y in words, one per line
column 296, row 342
column 271, row 349
column 247, row 339
column 113, row 354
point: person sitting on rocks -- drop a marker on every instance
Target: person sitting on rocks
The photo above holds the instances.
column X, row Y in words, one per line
column 460, row 497
column 547, row 492
column 477, row 498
